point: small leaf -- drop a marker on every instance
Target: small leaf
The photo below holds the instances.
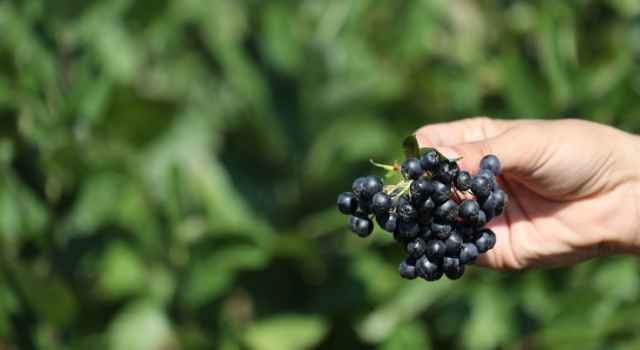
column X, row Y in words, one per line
column 440, row 155
column 411, row 147
column 383, row 166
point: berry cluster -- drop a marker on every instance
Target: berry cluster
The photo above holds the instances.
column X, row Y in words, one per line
column 437, row 213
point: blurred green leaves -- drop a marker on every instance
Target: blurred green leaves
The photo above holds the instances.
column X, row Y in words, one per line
column 169, row 169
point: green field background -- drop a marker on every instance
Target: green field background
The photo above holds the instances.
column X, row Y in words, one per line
column 169, row 170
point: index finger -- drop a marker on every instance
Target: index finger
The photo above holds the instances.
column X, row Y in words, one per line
column 463, row 131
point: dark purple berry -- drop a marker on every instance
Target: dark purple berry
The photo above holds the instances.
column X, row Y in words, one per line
column 380, row 203
column 489, row 175
column 488, row 203
column 481, row 241
column 347, row 203
column 469, row 210
column 455, row 274
column 364, row 205
column 453, row 243
column 481, row 186
column 370, row 186
column 468, row 254
column 360, row 224
column 411, row 168
column 435, row 249
column 450, row 262
column 501, row 198
column 388, row 221
column 431, row 278
column 401, row 238
column 463, row 181
column 407, row 268
column 491, row 163
column 420, row 189
column 407, row 211
column 440, row 192
column 447, row 172
column 409, row 229
column 426, row 206
column 427, row 268
column 440, row 230
column 416, row 248
column 430, row 160
column 447, row 211
column 481, row 221
column 425, row 232
column 357, row 187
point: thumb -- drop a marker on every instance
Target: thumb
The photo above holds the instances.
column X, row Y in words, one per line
column 510, row 148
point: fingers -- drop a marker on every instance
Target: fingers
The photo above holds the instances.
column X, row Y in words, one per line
column 515, row 143
column 466, row 130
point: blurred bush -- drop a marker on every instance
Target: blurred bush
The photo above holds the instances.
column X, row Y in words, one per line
column 169, row 169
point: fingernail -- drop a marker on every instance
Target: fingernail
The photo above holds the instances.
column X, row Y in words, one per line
column 448, row 152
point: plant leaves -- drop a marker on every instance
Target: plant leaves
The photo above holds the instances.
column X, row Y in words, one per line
column 411, row 147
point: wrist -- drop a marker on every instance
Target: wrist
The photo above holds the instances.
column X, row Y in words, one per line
column 630, row 240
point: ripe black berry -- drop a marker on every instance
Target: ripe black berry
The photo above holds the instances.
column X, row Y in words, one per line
column 409, row 229
column 456, row 273
column 370, row 186
column 469, row 210
column 411, row 169
column 440, row 192
column 407, row 211
column 481, row 241
column 481, row 220
column 407, row 268
column 425, row 232
column 450, row 262
column 488, row 203
column 420, row 189
column 357, row 186
column 364, row 205
column 426, row 268
column 360, row 224
column 453, row 243
column 491, row 163
column 481, row 186
column 465, row 230
column 429, row 160
column 426, row 206
column 388, row 221
column 347, row 203
column 463, row 181
column 380, row 203
column 447, row 211
column 435, row 249
column 447, row 171
column 468, row 254
column 501, row 198
column 440, row 230
column 416, row 248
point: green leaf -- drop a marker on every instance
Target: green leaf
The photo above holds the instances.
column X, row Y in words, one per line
column 411, row 147
column 286, row 332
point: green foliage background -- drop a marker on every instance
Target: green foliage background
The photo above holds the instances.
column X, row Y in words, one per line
column 169, row 169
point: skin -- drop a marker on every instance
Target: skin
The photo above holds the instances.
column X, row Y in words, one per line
column 573, row 187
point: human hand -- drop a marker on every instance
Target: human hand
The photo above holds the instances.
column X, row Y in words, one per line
column 573, row 187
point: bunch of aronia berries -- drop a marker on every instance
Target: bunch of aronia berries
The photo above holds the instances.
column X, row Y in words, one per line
column 437, row 212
